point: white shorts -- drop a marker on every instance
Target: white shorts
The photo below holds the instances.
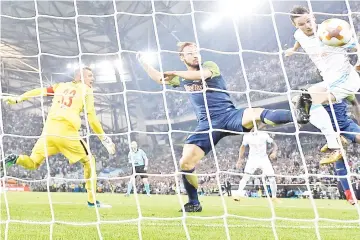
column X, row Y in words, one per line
column 262, row 163
column 342, row 86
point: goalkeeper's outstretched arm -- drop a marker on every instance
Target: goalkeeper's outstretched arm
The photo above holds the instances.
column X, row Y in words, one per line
column 37, row 92
column 95, row 124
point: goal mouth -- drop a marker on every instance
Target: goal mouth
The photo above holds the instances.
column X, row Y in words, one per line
column 107, row 36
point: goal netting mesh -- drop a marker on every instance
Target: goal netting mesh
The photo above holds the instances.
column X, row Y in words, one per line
column 43, row 42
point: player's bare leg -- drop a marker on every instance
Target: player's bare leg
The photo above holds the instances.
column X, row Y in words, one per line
column 90, row 185
column 192, row 154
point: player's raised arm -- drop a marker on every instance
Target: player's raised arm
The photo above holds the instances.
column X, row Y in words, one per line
column 150, row 70
column 155, row 75
column 37, row 92
column 292, row 50
column 241, row 153
column 95, row 123
column 273, row 151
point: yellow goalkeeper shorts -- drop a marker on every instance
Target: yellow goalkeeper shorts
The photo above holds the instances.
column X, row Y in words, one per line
column 60, row 137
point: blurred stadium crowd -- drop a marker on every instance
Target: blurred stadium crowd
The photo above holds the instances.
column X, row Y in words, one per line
column 289, row 161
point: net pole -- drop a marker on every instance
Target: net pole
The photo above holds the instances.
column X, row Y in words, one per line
column 225, row 215
column 312, row 201
column 129, row 130
column 44, row 119
column 92, row 164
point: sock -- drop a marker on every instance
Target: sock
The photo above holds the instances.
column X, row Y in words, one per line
column 274, row 117
column 90, row 173
column 341, row 171
column 147, row 188
column 273, row 186
column 129, row 188
column 320, row 118
column 191, row 185
column 27, row 162
column 242, row 183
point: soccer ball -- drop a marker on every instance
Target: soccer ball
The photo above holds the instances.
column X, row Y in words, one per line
column 334, row 32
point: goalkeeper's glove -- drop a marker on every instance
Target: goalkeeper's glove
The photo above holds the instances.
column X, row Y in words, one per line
column 108, row 144
column 12, row 100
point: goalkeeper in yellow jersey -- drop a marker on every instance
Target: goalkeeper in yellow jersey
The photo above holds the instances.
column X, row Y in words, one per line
column 60, row 133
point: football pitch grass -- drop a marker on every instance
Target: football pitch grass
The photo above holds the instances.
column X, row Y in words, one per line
column 71, row 208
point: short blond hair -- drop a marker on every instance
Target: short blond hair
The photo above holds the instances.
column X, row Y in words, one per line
column 77, row 71
column 182, row 45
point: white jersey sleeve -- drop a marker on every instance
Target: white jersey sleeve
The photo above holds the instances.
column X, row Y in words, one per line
column 332, row 62
column 258, row 144
column 351, row 44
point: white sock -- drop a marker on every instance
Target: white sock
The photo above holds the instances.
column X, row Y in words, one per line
column 273, row 186
column 242, row 183
column 320, row 118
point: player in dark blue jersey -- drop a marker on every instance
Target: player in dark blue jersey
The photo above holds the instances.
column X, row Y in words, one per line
column 223, row 114
column 345, row 123
column 346, row 126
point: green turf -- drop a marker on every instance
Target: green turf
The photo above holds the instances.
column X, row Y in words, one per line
column 71, row 208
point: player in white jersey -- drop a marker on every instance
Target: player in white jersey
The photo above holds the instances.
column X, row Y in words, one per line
column 340, row 78
column 258, row 159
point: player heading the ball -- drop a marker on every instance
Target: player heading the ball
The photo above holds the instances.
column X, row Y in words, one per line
column 223, row 113
column 61, row 129
column 339, row 76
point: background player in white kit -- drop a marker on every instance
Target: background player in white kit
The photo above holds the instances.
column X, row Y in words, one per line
column 339, row 76
column 257, row 159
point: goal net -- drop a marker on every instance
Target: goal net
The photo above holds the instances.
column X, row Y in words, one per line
column 44, row 42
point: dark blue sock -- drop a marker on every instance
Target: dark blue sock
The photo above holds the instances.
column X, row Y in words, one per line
column 190, row 185
column 341, row 171
column 275, row 117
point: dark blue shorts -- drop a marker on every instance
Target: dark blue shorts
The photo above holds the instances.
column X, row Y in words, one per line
column 353, row 127
column 231, row 120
